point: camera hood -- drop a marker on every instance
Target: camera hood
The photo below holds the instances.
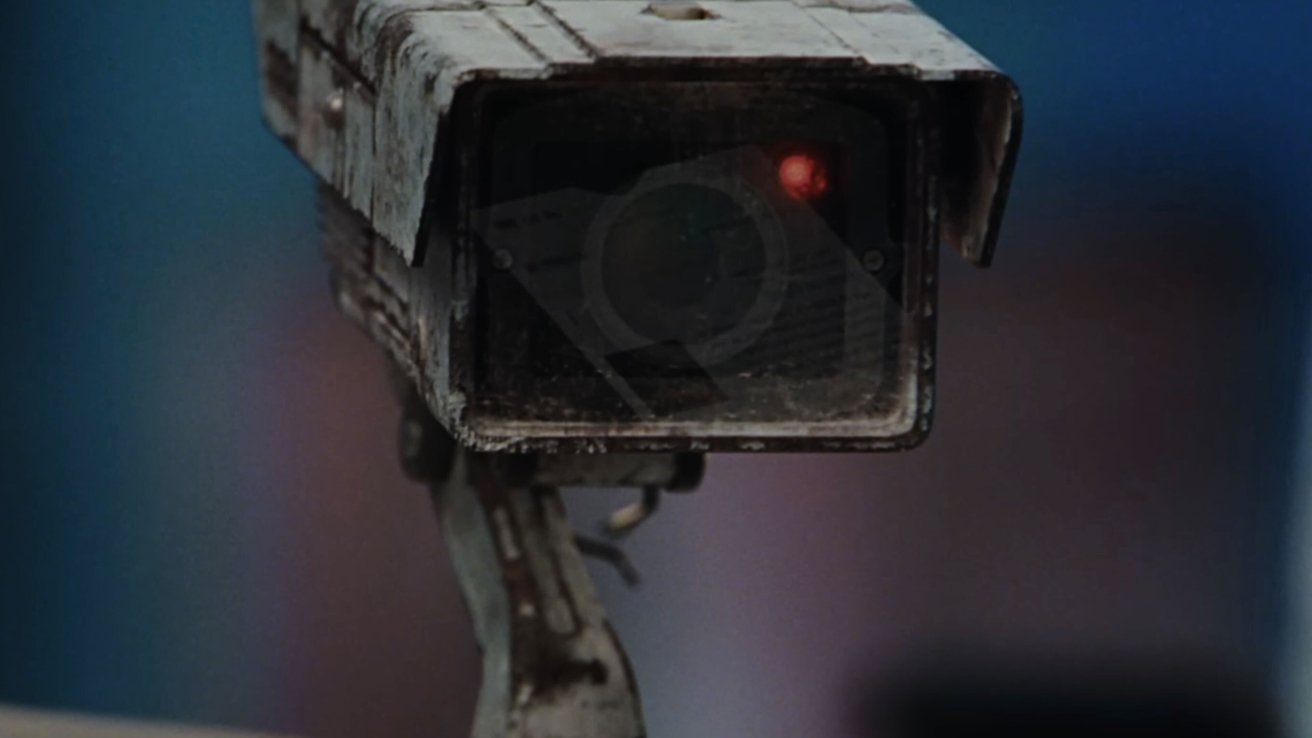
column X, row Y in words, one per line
column 364, row 90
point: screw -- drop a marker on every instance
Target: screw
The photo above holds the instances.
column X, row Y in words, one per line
column 873, row 260
column 334, row 108
column 503, row 260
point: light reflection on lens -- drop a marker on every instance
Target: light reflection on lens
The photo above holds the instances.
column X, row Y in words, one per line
column 803, row 177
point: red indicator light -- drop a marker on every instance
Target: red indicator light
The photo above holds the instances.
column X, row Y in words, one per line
column 803, row 177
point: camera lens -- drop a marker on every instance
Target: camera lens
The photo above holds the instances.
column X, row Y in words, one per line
column 683, row 264
column 686, row 267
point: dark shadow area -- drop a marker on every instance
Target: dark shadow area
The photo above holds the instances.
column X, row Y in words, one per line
column 965, row 702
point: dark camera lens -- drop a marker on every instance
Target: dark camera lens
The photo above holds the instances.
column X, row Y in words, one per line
column 683, row 264
column 686, row 252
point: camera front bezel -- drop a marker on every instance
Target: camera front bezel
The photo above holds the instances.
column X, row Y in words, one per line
column 903, row 425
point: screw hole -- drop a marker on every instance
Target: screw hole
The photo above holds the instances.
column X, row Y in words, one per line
column 873, row 260
column 679, row 11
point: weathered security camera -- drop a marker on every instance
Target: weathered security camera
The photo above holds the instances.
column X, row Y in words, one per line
column 587, row 226
column 617, row 225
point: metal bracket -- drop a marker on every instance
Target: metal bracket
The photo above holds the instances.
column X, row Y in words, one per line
column 552, row 664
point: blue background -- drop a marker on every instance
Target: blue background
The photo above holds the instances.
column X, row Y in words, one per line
column 177, row 539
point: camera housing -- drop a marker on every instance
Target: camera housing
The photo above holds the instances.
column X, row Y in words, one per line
column 611, row 225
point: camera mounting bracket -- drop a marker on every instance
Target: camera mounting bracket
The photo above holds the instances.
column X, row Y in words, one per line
column 552, row 664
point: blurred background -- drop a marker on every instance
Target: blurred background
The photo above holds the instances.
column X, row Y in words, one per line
column 202, row 518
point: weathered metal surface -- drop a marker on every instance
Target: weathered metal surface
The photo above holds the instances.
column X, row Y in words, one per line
column 277, row 37
column 412, row 56
column 335, row 122
column 762, row 29
column 552, row 666
column 367, row 291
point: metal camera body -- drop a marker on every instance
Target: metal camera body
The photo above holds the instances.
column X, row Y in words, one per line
column 587, row 226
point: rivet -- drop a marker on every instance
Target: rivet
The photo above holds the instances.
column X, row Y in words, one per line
column 873, row 260
column 334, row 108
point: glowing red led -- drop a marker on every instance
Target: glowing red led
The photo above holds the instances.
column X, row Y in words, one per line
column 803, row 177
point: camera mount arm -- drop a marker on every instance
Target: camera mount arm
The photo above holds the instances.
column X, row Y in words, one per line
column 552, row 664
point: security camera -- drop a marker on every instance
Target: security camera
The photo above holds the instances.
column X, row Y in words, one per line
column 615, row 225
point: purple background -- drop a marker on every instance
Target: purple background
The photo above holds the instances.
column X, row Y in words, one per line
column 201, row 516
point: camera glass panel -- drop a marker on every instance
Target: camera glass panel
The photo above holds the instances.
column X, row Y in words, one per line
column 682, row 252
